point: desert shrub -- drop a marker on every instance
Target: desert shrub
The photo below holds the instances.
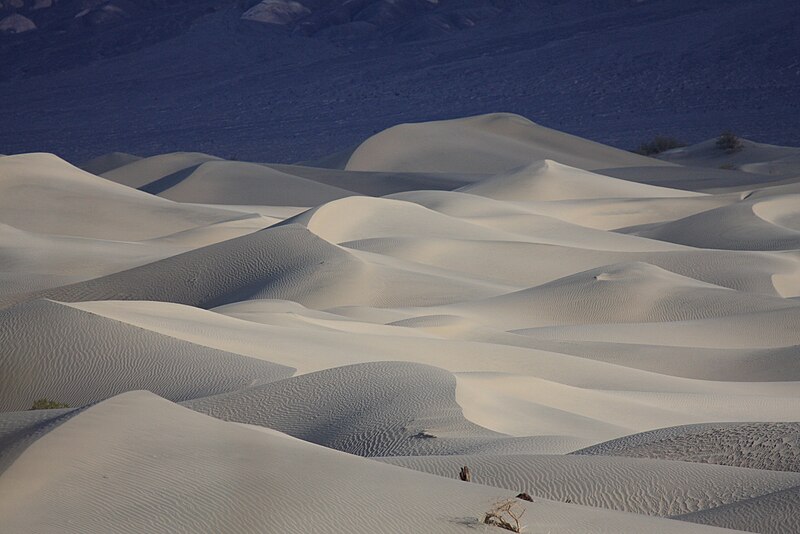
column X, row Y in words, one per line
column 47, row 404
column 658, row 145
column 505, row 514
column 465, row 474
column 729, row 142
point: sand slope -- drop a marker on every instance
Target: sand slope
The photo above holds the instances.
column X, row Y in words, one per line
column 624, row 293
column 454, row 215
column 751, row 157
column 702, row 179
column 757, row 224
column 519, row 391
column 774, row 513
column 108, row 162
column 52, row 350
column 229, row 182
column 755, row 272
column 493, row 143
column 549, row 180
column 466, row 292
column 138, row 173
column 773, row 446
column 278, row 262
column 148, row 456
column 42, row 193
column 371, row 409
column 650, row 487
column 768, row 329
column 380, row 183
column 30, row 261
column 737, row 365
column 19, row 429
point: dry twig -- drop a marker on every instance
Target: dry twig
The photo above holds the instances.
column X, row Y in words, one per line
column 505, row 514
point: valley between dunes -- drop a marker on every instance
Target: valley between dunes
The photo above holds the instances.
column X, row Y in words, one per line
column 255, row 347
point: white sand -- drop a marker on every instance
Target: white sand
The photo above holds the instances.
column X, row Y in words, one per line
column 147, row 465
column 481, row 292
column 652, row 487
column 493, row 143
column 42, row 193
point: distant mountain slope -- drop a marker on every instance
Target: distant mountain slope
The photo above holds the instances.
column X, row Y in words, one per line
column 155, row 76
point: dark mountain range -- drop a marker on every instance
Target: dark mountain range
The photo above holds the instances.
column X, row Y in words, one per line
column 288, row 80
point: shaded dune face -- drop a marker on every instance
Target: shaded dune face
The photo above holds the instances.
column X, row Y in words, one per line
column 45, row 348
column 375, row 409
column 246, row 346
column 214, row 275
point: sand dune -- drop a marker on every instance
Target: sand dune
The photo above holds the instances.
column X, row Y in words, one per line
column 491, row 143
column 549, row 180
column 281, row 262
column 131, row 468
column 752, row 156
column 233, row 182
column 372, row 409
column 611, row 214
column 528, row 404
column 737, row 365
column 451, row 215
column 143, row 171
column 650, row 487
column 756, row 272
column 757, row 224
column 53, row 350
column 774, row 513
column 481, row 292
column 781, row 187
column 33, row 261
column 624, row 293
column 42, row 193
column 19, row 429
column 108, row 162
column 769, row 329
column 701, row 179
column 542, row 394
column 202, row 277
column 199, row 178
column 302, row 348
column 785, row 166
column 380, row 183
column 774, row 446
column 526, row 220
